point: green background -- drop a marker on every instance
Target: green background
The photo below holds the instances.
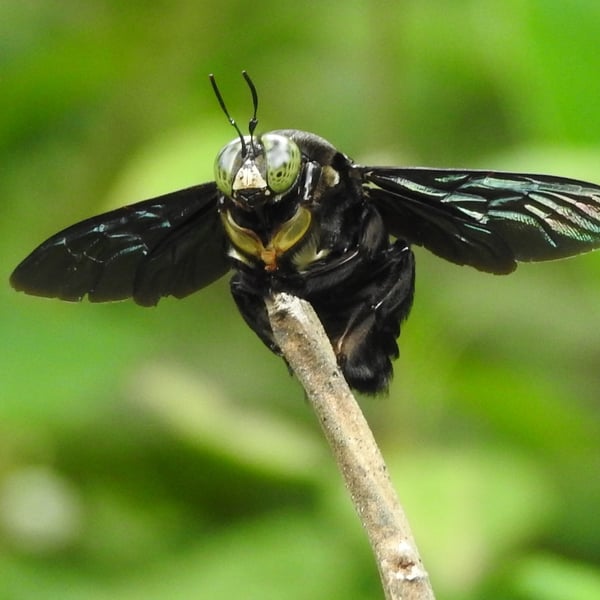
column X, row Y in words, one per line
column 165, row 453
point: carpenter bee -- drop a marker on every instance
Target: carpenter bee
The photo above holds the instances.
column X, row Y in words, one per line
column 289, row 212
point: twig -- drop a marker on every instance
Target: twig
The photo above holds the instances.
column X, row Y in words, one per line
column 301, row 337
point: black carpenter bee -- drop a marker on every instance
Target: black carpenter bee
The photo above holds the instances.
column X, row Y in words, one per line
column 289, row 212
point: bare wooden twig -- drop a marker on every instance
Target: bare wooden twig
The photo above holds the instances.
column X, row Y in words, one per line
column 301, row 337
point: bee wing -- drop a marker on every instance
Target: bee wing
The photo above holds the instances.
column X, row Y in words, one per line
column 170, row 245
column 485, row 219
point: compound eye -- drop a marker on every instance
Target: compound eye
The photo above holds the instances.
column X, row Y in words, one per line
column 283, row 160
column 227, row 164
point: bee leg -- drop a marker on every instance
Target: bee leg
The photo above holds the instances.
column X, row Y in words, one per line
column 252, row 308
column 367, row 344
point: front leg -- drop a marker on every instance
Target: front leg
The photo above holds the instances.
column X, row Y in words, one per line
column 252, row 308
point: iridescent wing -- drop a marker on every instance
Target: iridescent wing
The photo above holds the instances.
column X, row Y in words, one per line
column 487, row 219
column 169, row 245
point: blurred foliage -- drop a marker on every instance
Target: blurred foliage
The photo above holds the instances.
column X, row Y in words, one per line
column 165, row 453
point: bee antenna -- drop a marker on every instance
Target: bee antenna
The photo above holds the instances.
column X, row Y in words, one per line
column 253, row 121
column 224, row 109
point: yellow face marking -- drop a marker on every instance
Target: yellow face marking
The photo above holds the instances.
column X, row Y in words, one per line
column 249, row 178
